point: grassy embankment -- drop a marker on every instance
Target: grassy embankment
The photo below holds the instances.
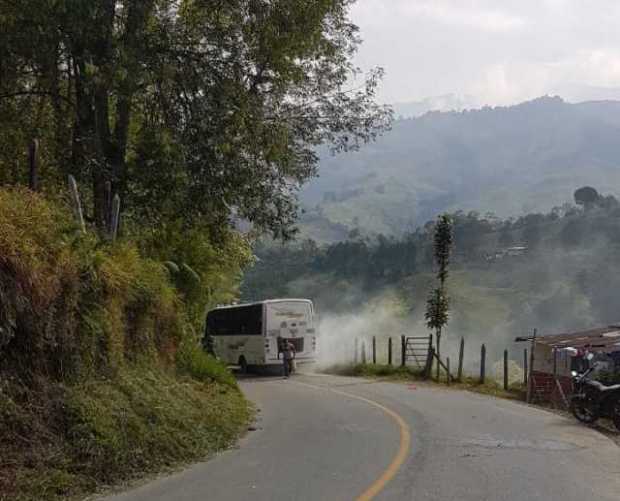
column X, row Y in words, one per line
column 398, row 373
column 102, row 378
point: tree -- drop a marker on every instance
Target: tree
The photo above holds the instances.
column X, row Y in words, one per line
column 586, row 196
column 187, row 109
column 437, row 305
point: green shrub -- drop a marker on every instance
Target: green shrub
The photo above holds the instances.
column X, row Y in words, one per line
column 206, row 269
column 195, row 362
column 72, row 305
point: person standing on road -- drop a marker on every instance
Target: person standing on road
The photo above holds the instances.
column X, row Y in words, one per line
column 288, row 354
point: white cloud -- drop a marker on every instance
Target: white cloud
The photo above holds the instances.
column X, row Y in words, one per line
column 510, row 82
column 466, row 14
column 502, row 51
column 451, row 14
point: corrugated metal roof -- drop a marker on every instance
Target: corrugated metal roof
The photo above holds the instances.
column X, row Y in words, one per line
column 602, row 339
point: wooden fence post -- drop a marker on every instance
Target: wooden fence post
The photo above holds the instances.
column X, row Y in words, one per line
column 448, row 371
column 403, row 351
column 108, row 205
column 525, row 367
column 530, row 379
column 33, row 164
column 355, row 351
column 438, row 352
column 389, row 351
column 505, row 370
column 374, row 350
column 77, row 204
column 116, row 214
column 461, row 353
column 483, row 354
column 429, row 363
column 364, row 352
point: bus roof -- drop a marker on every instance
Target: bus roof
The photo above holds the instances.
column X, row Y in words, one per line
column 266, row 301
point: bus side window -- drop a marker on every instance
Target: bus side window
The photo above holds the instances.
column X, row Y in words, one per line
column 242, row 321
column 254, row 320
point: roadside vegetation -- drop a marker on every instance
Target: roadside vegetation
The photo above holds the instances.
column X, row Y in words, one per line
column 373, row 370
column 515, row 391
column 102, row 377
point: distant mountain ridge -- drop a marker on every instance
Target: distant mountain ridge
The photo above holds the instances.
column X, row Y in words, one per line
column 445, row 102
column 507, row 160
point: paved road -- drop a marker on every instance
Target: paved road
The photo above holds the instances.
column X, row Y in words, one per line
column 331, row 438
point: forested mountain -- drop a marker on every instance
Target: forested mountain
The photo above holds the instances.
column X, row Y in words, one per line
column 554, row 271
column 507, row 160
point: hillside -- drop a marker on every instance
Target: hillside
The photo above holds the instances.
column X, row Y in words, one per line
column 564, row 280
column 506, row 160
column 103, row 378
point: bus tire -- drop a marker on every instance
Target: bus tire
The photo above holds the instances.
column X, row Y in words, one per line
column 243, row 365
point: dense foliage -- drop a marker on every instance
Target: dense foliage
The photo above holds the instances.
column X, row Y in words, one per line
column 189, row 110
column 72, row 306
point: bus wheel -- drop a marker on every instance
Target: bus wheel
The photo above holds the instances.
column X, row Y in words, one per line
column 243, row 364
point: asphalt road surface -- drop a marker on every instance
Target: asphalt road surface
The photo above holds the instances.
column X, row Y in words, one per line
column 332, row 438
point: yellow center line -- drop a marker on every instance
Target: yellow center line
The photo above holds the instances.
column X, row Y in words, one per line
column 403, row 449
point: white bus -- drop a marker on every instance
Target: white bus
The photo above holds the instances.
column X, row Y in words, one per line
column 249, row 335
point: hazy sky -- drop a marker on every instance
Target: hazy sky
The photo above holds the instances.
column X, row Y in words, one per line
column 497, row 51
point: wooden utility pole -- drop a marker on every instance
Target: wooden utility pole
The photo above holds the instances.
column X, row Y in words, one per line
column 389, row 351
column 483, row 354
column 525, row 367
column 403, row 351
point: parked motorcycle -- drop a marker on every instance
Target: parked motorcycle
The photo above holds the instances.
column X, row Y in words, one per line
column 592, row 400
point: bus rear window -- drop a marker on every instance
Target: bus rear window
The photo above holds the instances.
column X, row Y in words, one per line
column 242, row 321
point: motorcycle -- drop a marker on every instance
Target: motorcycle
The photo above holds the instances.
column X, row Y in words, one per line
column 592, row 400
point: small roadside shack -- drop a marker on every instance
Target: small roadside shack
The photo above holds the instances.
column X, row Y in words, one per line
column 551, row 364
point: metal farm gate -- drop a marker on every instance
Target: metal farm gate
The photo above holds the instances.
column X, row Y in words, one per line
column 416, row 350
